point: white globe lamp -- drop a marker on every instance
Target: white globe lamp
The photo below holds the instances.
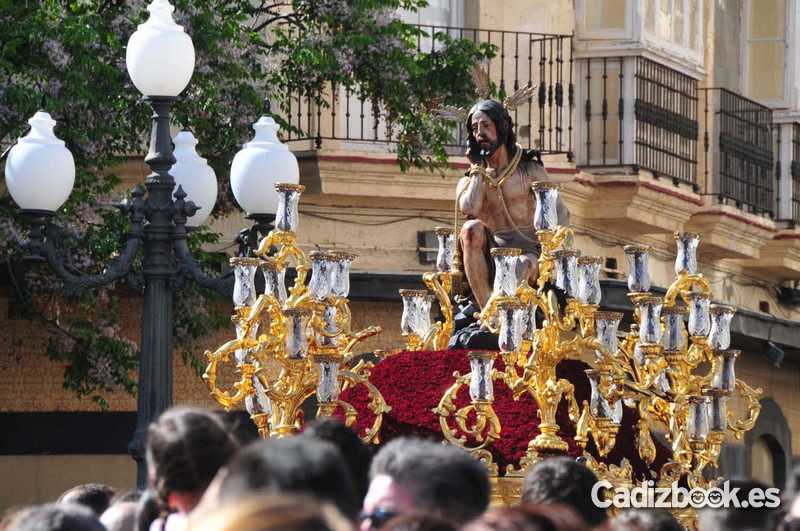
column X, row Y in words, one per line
column 40, row 170
column 192, row 172
column 160, row 55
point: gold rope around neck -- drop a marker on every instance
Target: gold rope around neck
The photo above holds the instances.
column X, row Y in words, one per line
column 487, row 173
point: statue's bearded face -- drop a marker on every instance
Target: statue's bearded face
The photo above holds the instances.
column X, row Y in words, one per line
column 485, row 133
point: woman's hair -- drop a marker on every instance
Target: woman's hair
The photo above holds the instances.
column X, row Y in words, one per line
column 526, row 517
column 417, row 522
column 185, row 449
column 271, row 512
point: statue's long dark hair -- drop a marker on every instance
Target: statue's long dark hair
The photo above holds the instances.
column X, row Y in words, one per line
column 502, row 122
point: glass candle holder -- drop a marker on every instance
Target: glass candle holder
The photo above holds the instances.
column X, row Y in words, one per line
column 565, row 262
column 321, row 271
column 447, row 248
column 699, row 307
column 719, row 338
column 638, row 268
column 512, row 325
column 423, row 318
column 244, row 274
column 697, row 426
column 241, row 353
column 674, row 337
column 340, row 274
column 589, row 279
column 274, row 280
column 296, row 339
column 598, row 405
column 258, row 402
column 649, row 318
column 686, row 256
column 545, row 216
column 506, row 276
column 408, row 320
column 329, row 320
column 328, row 384
column 287, row 216
column 724, row 370
column 481, row 388
column 530, row 322
column 607, row 324
column 717, row 409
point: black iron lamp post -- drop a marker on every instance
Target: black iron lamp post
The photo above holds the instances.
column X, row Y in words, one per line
column 40, row 174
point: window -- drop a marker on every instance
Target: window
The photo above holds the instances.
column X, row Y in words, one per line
column 673, row 21
column 605, row 14
column 765, row 51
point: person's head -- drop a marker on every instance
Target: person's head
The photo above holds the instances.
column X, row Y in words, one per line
column 127, row 496
column 185, row 449
column 147, row 510
column 646, row 520
column 59, row 516
column 121, row 516
column 413, row 475
column 239, row 425
column 563, row 480
column 417, row 522
column 293, row 465
column 551, row 517
column 357, row 455
column 489, row 126
column 95, row 496
column 272, row 512
column 740, row 518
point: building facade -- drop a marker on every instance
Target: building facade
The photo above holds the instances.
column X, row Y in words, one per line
column 657, row 115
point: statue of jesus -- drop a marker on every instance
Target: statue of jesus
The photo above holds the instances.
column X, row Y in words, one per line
column 495, row 196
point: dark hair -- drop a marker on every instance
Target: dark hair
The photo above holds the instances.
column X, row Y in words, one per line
column 95, row 496
column 417, row 522
column 442, row 480
column 147, row 510
column 526, row 517
column 121, row 516
column 502, row 122
column 294, row 465
column 185, row 449
column 739, row 518
column 357, row 455
column 62, row 516
column 646, row 520
column 563, row 480
column 239, row 426
column 128, row 496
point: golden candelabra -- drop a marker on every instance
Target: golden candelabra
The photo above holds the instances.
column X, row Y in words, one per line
column 292, row 345
column 674, row 366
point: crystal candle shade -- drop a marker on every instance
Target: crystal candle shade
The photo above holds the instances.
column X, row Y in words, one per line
column 674, row 337
column 638, row 273
column 330, row 328
column 565, row 262
column 274, row 280
column 506, row 277
column 409, row 317
column 699, row 307
column 512, row 325
column 287, row 217
column 296, row 340
column 724, row 372
column 686, row 255
column 423, row 320
column 328, row 384
column 244, row 287
column 717, row 410
column 241, row 353
column 340, row 276
column 259, row 401
column 697, row 424
column 545, row 216
column 719, row 338
column 446, row 252
column 530, row 322
column 599, row 406
column 321, row 271
column 589, row 279
column 649, row 319
column 480, row 382
column 607, row 324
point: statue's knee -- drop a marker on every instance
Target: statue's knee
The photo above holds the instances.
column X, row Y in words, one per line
column 473, row 234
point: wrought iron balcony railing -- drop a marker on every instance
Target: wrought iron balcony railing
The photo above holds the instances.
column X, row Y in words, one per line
column 739, row 151
column 794, row 170
column 543, row 60
column 636, row 112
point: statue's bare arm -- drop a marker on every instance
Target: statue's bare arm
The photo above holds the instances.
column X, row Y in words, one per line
column 470, row 192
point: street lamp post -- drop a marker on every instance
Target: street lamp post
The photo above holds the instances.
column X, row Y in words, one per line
column 40, row 174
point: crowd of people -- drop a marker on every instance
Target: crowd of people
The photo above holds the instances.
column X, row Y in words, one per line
column 208, row 475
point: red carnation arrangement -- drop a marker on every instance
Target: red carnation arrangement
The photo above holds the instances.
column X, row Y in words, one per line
column 412, row 383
